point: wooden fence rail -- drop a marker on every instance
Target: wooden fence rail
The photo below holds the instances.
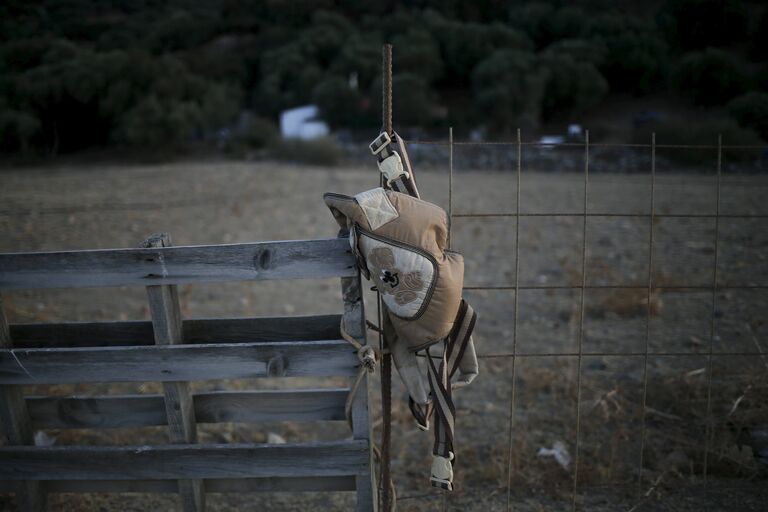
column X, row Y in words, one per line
column 171, row 363
column 183, row 461
column 175, row 352
column 115, row 411
column 299, row 259
column 238, row 485
column 214, row 330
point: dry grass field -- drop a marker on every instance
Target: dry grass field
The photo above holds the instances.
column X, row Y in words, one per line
column 205, row 203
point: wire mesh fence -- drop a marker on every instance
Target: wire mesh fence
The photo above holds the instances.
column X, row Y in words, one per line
column 592, row 267
column 676, row 399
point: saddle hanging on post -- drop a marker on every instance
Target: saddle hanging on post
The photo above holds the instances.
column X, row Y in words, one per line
column 399, row 242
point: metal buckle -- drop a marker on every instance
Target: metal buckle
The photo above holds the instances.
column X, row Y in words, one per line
column 379, row 143
column 392, row 168
column 442, row 471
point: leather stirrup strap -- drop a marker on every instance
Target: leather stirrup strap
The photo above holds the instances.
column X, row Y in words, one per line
column 454, row 349
column 459, row 346
column 460, row 337
column 442, row 399
column 406, row 183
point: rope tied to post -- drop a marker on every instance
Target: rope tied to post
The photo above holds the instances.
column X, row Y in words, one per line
column 367, row 355
column 369, row 358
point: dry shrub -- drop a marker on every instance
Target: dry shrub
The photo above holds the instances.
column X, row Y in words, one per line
column 625, row 302
column 678, row 425
column 629, row 302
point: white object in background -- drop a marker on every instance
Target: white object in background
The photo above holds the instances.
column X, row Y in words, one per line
column 302, row 123
column 43, row 439
column 477, row 135
column 574, row 130
column 559, row 452
column 548, row 141
column 313, row 130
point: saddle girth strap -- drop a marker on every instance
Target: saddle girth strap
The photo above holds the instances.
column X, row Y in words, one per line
column 454, row 350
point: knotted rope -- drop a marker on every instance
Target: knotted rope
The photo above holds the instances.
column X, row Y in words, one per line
column 369, row 358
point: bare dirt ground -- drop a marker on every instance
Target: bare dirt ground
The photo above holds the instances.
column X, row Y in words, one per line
column 205, row 203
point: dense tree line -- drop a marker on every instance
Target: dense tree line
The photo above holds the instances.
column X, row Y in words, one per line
column 81, row 73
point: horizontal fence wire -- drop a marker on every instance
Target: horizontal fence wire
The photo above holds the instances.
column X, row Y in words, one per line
column 617, row 354
column 619, row 287
column 638, row 484
column 587, row 487
column 583, row 144
column 621, row 215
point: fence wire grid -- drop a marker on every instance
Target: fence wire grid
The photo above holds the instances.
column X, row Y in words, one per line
column 641, row 488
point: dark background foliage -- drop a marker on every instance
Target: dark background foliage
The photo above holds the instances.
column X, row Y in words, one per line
column 79, row 74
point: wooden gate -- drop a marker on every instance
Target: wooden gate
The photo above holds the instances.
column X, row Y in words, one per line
column 175, row 351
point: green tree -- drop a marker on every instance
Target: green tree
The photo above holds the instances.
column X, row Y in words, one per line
column 545, row 24
column 338, row 102
column 508, row 86
column 636, row 62
column 80, row 98
column 418, row 54
column 636, row 56
column 413, row 103
column 415, row 100
column 758, row 38
column 580, row 50
column 711, row 77
column 751, row 111
column 288, row 78
column 362, row 56
column 179, row 31
column 697, row 24
column 325, row 37
column 17, row 129
column 571, row 86
column 464, row 45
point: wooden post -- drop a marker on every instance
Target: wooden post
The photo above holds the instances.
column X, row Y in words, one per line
column 179, row 407
column 17, row 426
column 354, row 322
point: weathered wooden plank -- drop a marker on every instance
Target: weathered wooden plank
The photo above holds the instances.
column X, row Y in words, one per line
column 200, row 330
column 166, row 323
column 110, row 411
column 179, row 410
column 354, row 323
column 298, row 259
column 321, row 358
column 289, row 328
column 239, row 485
column 14, row 418
column 15, row 423
column 113, row 411
column 83, row 334
column 183, row 461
